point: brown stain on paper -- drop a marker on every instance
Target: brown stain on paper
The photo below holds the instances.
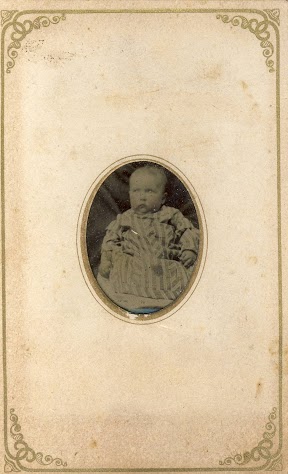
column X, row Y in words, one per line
column 244, row 85
column 116, row 100
column 252, row 260
column 93, row 444
column 259, row 388
column 213, row 73
column 255, row 105
column 274, row 351
column 73, row 155
column 273, row 348
column 26, row 349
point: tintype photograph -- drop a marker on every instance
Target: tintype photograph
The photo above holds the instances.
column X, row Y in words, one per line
column 143, row 237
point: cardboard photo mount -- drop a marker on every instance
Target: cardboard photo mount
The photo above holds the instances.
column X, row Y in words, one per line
column 85, row 87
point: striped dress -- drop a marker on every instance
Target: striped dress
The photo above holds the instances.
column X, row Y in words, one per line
column 146, row 250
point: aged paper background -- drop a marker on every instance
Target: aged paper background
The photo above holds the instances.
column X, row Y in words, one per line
column 198, row 387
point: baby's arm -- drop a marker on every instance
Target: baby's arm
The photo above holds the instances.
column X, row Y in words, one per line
column 188, row 257
column 188, row 239
column 105, row 264
column 110, row 244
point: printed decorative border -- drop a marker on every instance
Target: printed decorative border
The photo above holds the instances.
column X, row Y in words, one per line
column 24, row 452
column 261, row 28
column 22, row 29
column 263, row 450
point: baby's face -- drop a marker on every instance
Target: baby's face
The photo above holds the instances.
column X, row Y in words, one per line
column 146, row 192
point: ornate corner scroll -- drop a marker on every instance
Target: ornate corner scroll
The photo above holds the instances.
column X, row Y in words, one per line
column 10, row 465
column 274, row 15
column 260, row 28
column 276, row 465
column 7, row 15
column 22, row 28
column 24, row 452
column 263, row 450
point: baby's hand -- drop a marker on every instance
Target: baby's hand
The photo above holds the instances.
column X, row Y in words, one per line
column 188, row 258
column 105, row 265
column 128, row 248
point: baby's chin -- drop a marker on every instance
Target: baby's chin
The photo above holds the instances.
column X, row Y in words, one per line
column 143, row 209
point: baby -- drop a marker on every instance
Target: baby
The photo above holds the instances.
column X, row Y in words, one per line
column 150, row 249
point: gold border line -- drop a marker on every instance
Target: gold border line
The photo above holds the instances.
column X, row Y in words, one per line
column 280, row 271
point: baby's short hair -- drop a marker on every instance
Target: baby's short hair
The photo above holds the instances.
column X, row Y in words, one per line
column 154, row 170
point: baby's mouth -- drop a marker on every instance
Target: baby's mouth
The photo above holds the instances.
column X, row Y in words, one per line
column 141, row 208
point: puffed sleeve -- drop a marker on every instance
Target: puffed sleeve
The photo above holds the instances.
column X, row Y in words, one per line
column 112, row 239
column 186, row 234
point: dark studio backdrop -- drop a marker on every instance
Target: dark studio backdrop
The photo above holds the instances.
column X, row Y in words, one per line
column 112, row 198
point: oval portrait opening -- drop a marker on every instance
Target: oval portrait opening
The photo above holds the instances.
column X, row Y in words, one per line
column 142, row 239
